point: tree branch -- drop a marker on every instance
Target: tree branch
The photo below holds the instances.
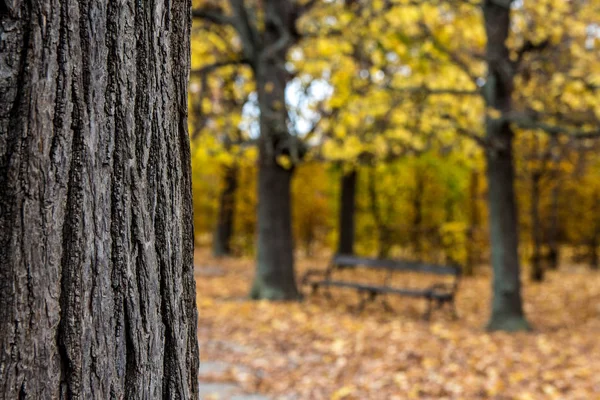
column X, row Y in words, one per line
column 429, row 91
column 219, row 64
column 212, row 15
column 247, row 31
column 480, row 140
column 529, row 47
column 306, row 7
column 285, row 38
column 451, row 55
column 526, row 121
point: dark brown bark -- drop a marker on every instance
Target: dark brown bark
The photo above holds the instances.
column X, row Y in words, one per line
column 225, row 219
column 347, row 213
column 96, row 238
column 507, row 305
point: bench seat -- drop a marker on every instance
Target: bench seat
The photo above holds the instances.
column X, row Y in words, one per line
column 428, row 293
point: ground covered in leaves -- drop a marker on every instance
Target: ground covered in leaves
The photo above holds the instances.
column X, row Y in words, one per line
column 323, row 349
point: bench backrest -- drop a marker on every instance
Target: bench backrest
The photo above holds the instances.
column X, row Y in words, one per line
column 346, row 260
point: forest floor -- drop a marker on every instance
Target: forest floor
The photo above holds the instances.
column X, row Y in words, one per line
column 322, row 349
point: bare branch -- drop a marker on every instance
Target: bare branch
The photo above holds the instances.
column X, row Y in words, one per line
column 526, row 121
column 285, row 38
column 247, row 30
column 212, row 15
column 219, row 64
column 480, row 140
column 306, row 7
column 529, row 47
column 429, row 91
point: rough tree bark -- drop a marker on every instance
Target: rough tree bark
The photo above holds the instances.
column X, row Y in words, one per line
column 97, row 296
column 347, row 211
column 225, row 222
column 507, row 306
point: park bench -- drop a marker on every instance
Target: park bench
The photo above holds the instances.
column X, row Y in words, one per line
column 438, row 293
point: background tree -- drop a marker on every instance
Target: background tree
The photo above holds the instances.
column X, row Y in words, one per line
column 266, row 31
column 96, row 233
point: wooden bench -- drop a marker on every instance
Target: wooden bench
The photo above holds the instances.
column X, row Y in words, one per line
column 439, row 293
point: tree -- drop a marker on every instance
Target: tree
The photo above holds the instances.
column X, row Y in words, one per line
column 513, row 99
column 225, row 220
column 499, row 90
column 346, row 220
column 264, row 47
column 96, row 232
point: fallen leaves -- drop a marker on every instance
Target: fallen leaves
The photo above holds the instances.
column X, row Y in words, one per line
column 319, row 349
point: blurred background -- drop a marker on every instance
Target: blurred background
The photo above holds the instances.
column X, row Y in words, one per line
column 401, row 128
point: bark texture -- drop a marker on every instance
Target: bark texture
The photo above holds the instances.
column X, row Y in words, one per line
column 347, row 213
column 507, row 305
column 97, row 297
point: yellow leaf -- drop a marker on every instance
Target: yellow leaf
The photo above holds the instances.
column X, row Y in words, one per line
column 342, row 392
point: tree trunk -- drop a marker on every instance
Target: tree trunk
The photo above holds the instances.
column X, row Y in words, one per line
column 537, row 271
column 594, row 251
column 275, row 278
column 417, row 223
column 96, row 232
column 595, row 239
column 553, row 246
column 383, row 231
column 507, row 306
column 347, row 211
column 474, row 224
column 225, row 223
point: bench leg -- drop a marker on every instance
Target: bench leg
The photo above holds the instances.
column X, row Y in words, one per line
column 314, row 289
column 386, row 305
column 369, row 297
column 327, row 293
